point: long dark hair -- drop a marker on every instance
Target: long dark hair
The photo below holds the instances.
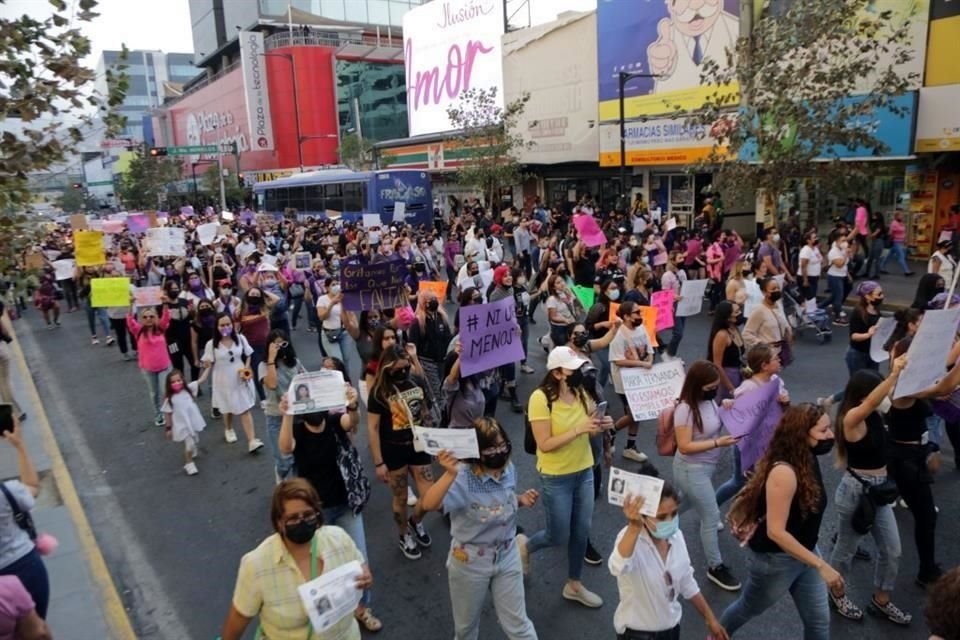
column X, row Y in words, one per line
column 721, row 322
column 861, row 384
column 904, row 318
column 700, row 374
column 382, row 383
column 926, row 289
column 217, row 336
column 288, row 354
column 550, row 386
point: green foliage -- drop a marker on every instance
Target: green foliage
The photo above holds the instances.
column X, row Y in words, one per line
column 76, row 201
column 489, row 133
column 147, row 178
column 210, row 186
column 794, row 73
column 356, row 153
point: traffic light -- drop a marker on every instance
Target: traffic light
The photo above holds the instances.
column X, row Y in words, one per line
column 158, row 151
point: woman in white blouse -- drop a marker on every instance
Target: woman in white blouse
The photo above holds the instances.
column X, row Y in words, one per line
column 652, row 567
column 941, row 263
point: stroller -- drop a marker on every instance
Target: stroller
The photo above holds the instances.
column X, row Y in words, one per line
column 801, row 318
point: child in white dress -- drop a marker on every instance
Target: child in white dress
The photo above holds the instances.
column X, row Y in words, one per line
column 184, row 421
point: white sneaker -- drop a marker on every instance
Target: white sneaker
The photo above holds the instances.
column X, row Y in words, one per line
column 191, row 469
column 254, row 445
column 411, row 497
column 230, row 436
column 666, row 357
column 632, row 454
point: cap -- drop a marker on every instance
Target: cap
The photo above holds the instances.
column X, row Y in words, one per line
column 499, row 273
column 565, row 358
column 266, row 266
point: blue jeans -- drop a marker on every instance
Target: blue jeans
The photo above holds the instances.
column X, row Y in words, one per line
column 94, row 315
column 900, row 253
column 693, row 479
column 157, row 383
column 498, row 571
column 259, row 355
column 677, row 335
column 885, row 533
column 836, row 285
column 732, row 486
column 877, row 246
column 568, row 502
column 333, row 349
column 771, row 576
column 344, row 518
column 283, row 464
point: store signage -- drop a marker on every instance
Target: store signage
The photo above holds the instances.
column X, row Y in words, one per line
column 255, row 88
column 938, row 122
column 450, row 46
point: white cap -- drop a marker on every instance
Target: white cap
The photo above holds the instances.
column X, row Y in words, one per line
column 566, row 358
column 266, row 266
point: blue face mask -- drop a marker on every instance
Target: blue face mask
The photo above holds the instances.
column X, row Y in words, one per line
column 667, row 528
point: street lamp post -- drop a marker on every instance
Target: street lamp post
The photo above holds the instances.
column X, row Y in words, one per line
column 296, row 103
column 625, row 77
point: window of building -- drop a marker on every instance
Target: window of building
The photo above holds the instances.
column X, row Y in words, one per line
column 333, row 197
column 379, row 11
column 356, row 11
column 295, row 198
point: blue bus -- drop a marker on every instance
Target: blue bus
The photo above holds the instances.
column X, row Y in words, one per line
column 349, row 193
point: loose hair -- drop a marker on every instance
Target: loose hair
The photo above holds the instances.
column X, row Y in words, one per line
column 382, row 384
column 943, row 605
column 550, row 386
column 721, row 322
column 217, row 336
column 168, row 384
column 700, row 374
column 904, row 318
column 487, row 429
column 294, row 489
column 861, row 384
column 788, row 445
column 291, row 355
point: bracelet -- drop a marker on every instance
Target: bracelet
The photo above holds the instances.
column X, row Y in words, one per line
column 353, row 408
column 381, row 464
column 271, row 364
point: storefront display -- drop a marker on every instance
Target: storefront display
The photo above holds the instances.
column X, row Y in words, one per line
column 921, row 232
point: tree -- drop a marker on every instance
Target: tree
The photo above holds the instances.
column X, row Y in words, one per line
column 356, row 152
column 210, row 185
column 74, row 200
column 147, row 179
column 488, row 134
column 796, row 74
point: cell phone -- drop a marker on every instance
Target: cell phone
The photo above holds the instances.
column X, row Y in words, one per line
column 6, row 418
column 601, row 409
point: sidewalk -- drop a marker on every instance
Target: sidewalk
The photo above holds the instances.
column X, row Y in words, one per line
column 898, row 289
column 84, row 604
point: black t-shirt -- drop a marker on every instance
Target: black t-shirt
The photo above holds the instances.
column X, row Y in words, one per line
column 805, row 529
column 316, row 459
column 407, row 401
column 584, row 271
column 861, row 322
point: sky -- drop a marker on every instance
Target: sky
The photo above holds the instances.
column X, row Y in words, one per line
column 165, row 24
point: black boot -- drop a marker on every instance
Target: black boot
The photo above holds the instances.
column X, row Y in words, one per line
column 514, row 401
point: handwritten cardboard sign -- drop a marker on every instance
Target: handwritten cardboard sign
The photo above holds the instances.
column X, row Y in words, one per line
column 650, row 391
column 490, row 336
column 373, row 286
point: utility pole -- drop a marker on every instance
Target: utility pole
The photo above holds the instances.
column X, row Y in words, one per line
column 223, row 191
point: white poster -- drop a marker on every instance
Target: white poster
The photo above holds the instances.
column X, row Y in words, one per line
column 166, row 241
column 316, row 391
column 371, row 220
column 754, row 297
column 63, row 269
column 399, row 211
column 255, row 90
column 462, row 443
column 885, row 329
column 927, row 355
column 207, row 232
column 623, row 483
column 650, row 391
column 691, row 297
column 332, row 596
column 450, row 47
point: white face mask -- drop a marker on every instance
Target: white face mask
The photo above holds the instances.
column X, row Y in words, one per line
column 776, row 238
column 885, row 405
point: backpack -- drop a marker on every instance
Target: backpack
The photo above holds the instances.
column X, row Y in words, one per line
column 666, row 436
column 529, row 442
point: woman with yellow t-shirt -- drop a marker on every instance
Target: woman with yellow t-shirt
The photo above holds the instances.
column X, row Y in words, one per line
column 562, row 417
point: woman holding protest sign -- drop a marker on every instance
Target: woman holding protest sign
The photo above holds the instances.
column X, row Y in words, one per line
column 778, row 515
column 862, row 444
column 699, row 447
column 178, row 331
column 84, row 278
column 481, row 500
column 563, row 419
column 229, row 353
column 431, row 334
column 502, row 287
column 398, row 401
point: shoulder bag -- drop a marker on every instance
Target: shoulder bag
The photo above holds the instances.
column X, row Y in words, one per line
column 351, row 469
column 23, row 518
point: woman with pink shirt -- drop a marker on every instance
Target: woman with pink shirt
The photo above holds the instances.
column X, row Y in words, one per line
column 152, row 353
column 715, row 259
column 898, row 236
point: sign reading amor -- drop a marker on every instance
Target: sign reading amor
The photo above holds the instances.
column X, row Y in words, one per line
column 450, row 46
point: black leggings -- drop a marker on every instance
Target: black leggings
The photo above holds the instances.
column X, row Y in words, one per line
column 119, row 326
column 908, row 468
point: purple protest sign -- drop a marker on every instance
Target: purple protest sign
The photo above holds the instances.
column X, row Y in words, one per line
column 373, row 286
column 663, row 302
column 138, row 223
column 186, row 211
column 753, row 418
column 490, row 336
column 247, row 216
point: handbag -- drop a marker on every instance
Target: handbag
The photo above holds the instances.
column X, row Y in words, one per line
column 873, row 496
column 23, row 518
column 351, row 469
column 296, row 290
column 333, row 335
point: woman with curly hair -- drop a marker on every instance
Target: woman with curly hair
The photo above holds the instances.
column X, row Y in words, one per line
column 778, row 514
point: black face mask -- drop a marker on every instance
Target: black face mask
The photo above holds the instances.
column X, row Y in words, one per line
column 775, row 296
column 497, row 460
column 433, row 305
column 419, row 267
column 877, row 301
column 575, row 379
column 581, row 339
column 709, row 394
column 302, row 532
column 822, row 447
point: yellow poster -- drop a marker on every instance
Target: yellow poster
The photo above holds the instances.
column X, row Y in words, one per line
column 110, row 292
column 88, row 246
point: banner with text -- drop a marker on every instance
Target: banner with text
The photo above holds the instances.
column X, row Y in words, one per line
column 490, row 336
column 373, row 286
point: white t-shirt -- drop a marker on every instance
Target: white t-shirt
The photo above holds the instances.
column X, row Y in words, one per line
column 835, row 253
column 655, row 214
column 814, row 261
column 625, row 338
column 333, row 321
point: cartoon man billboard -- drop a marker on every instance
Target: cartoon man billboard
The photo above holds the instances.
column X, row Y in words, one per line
column 695, row 30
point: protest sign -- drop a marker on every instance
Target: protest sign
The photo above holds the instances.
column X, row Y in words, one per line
column 439, row 289
column 371, row 220
column 650, row 315
column 399, row 212
column 301, row 260
column 186, row 211
column 490, row 336
column 110, row 292
column 88, row 248
column 166, row 241
column 691, row 297
column 462, row 443
column 227, row 216
column 671, row 223
column 113, row 226
column 78, row 222
column 331, row 597
column 224, row 230
column 754, row 297
column 927, row 355
column 753, row 418
column 316, row 391
column 614, row 310
column 33, row 261
column 662, row 301
column 138, row 223
column 590, row 234
column 585, row 295
column 650, row 391
column 268, row 259
column 247, row 217
column 885, row 328
column 378, row 285
column 63, row 269
column 623, row 483
column 147, row 296
column 95, row 224
column 207, row 232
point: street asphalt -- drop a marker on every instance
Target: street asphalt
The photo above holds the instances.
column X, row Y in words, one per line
column 173, row 543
